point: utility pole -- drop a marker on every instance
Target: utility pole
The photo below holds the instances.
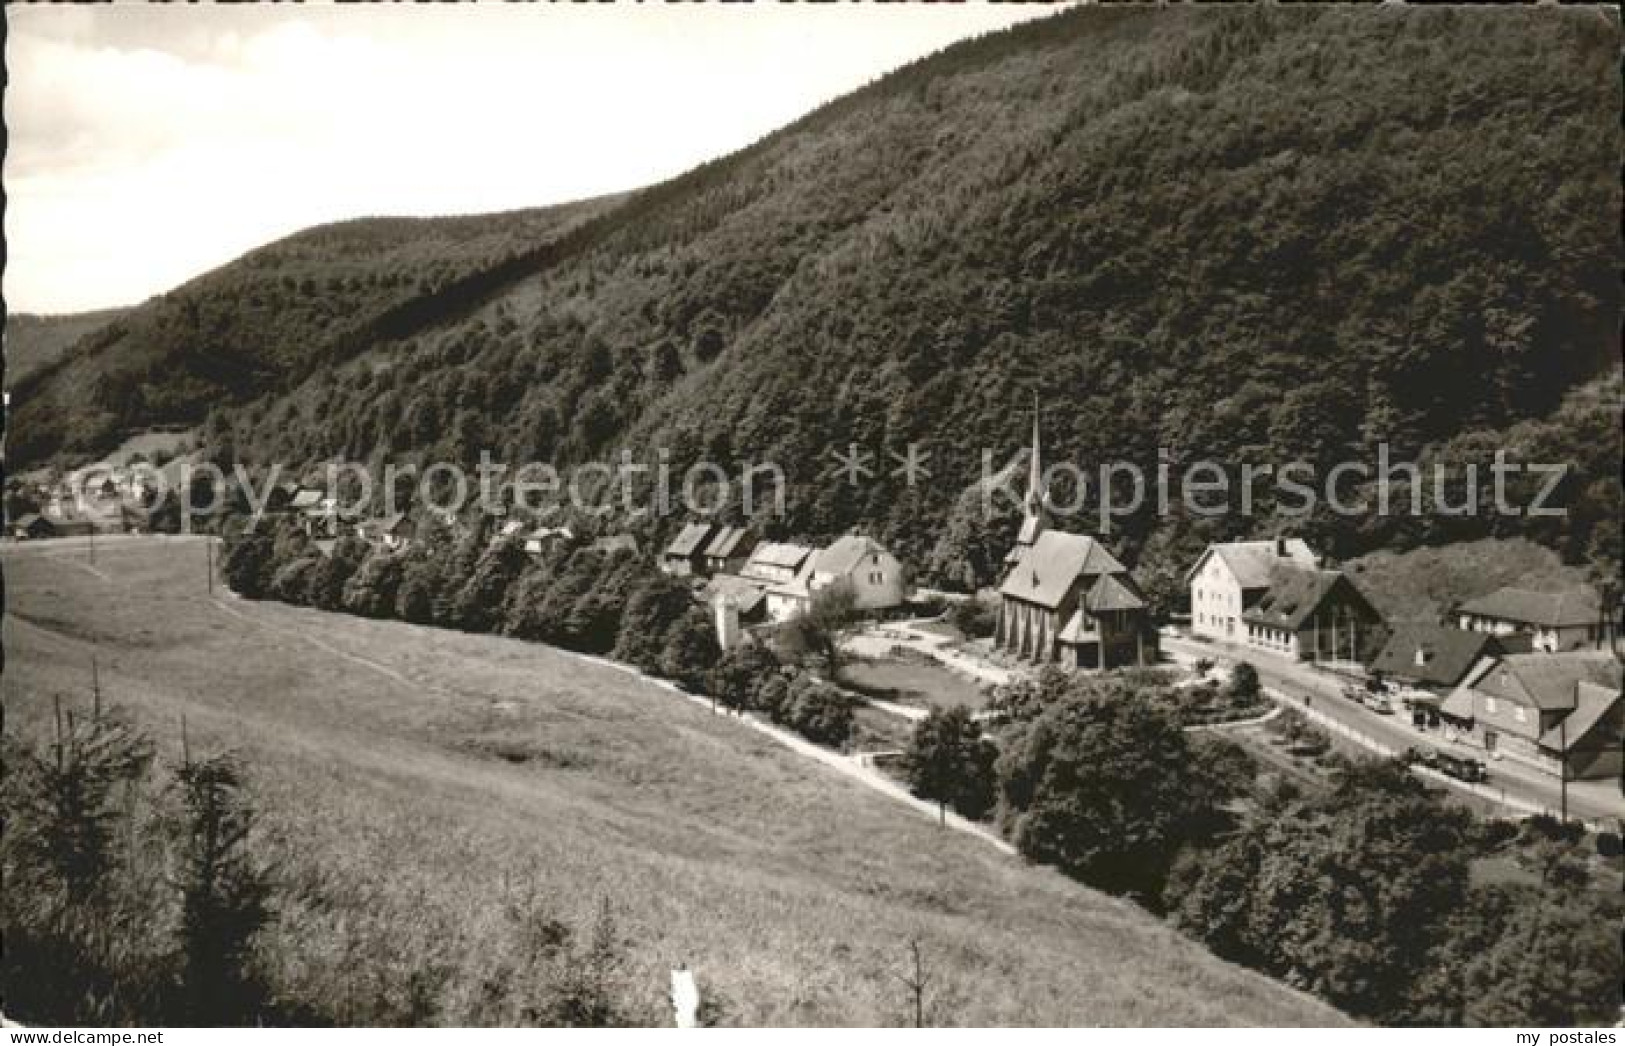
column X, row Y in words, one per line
column 95, row 687
column 1563, row 759
column 208, row 562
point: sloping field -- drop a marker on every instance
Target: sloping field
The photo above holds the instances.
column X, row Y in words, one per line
column 426, row 779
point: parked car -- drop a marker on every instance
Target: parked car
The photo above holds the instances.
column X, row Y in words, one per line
column 1422, row 756
column 1462, row 768
column 1379, row 703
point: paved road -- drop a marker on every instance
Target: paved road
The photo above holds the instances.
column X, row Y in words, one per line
column 1293, row 681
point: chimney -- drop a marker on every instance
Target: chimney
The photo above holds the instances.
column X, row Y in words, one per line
column 1280, row 547
column 1422, row 657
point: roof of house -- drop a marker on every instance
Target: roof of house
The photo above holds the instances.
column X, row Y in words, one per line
column 1448, row 653
column 1295, row 592
column 616, row 543
column 28, row 520
column 306, row 497
column 727, row 542
column 1546, row 681
column 1048, row 570
column 542, row 533
column 1546, row 609
column 1592, row 702
column 510, row 528
column 780, row 554
column 689, row 540
column 845, row 554
column 1250, row 562
column 746, row 594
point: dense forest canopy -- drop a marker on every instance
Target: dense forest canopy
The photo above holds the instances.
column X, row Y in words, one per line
column 1236, row 233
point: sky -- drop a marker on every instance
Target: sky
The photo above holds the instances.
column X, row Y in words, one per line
column 149, row 144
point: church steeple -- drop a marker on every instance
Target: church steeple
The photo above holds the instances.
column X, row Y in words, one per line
column 1032, row 522
column 1035, row 471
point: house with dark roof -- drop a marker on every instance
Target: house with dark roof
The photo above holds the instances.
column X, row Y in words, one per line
column 1559, row 712
column 685, row 556
column 1069, row 601
column 1436, row 657
column 1230, row 577
column 1553, row 620
column 728, row 550
column 1310, row 614
column 874, row 575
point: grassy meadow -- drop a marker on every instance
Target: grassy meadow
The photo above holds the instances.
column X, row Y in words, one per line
column 423, row 790
column 912, row 678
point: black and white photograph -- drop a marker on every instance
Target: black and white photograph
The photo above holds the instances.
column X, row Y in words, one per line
column 783, row 515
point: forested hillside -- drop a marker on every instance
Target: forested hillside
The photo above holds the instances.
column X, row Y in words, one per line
column 33, row 342
column 251, row 328
column 1262, row 234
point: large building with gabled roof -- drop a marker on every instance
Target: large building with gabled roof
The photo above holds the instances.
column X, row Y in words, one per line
column 1066, row 599
column 1561, row 712
column 1553, row 621
column 1273, row 596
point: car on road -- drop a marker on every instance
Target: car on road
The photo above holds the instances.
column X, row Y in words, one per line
column 1381, row 704
column 1462, row 768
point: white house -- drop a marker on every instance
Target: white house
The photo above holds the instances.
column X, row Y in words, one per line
column 874, row 575
column 1553, row 621
column 1230, row 577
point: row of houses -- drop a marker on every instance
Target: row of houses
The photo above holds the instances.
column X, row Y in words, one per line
column 755, row 581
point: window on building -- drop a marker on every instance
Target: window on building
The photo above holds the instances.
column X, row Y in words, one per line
column 1521, row 715
column 1489, row 705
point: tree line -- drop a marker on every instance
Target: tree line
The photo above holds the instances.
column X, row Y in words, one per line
column 607, row 603
column 1375, row 894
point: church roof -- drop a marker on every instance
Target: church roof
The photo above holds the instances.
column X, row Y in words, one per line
column 1114, row 592
column 1048, row 570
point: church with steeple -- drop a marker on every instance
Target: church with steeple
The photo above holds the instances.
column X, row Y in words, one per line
column 1032, row 519
column 1066, row 600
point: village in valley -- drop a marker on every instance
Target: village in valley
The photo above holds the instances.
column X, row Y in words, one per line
column 400, row 631
column 1512, row 697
